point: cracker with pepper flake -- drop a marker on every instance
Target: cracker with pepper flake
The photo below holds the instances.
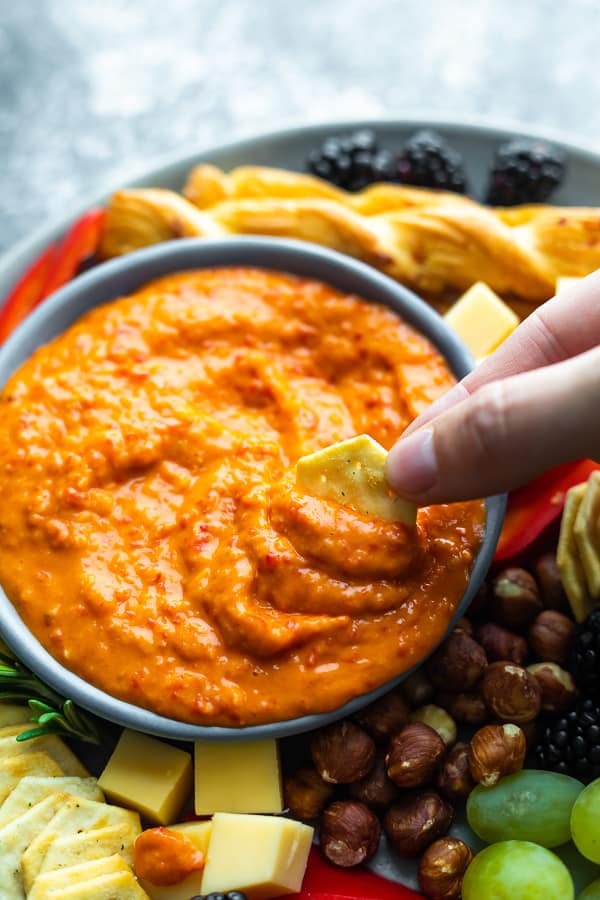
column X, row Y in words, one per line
column 568, row 558
column 587, row 534
column 352, row 473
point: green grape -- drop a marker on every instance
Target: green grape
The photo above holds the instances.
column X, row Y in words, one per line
column 585, row 821
column 583, row 871
column 517, row 870
column 529, row 806
column 591, row 892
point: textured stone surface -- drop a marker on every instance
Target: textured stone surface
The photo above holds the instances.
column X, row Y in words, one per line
column 93, row 92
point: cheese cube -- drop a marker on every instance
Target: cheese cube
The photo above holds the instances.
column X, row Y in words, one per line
column 565, row 282
column 241, row 777
column 481, row 319
column 263, row 856
column 147, row 775
column 199, row 833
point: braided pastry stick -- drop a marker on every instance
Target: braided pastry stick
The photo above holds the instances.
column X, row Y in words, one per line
column 430, row 240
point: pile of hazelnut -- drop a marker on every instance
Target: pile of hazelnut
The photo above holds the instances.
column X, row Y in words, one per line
column 397, row 764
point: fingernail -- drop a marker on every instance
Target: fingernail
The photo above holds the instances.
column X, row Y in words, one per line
column 411, row 466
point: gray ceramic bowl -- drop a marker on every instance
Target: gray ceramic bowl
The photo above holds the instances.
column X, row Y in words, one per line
column 121, row 276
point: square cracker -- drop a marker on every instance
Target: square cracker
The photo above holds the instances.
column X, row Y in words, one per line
column 98, row 879
column 47, row 743
column 77, row 815
column 95, row 843
column 587, row 534
column 16, row 836
column 568, row 559
column 33, row 788
column 352, row 473
column 13, row 768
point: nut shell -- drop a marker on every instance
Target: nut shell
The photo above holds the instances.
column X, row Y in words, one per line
column 495, row 751
column 414, row 755
column 511, row 693
column 386, row 716
column 376, row 789
column 515, row 598
column 556, row 685
column 551, row 636
column 501, row 644
column 342, row 752
column 458, row 664
column 442, row 868
column 349, row 833
column 416, row 821
column 454, row 780
column 417, row 688
column 306, row 794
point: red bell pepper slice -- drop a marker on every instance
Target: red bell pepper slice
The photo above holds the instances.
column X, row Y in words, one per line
column 51, row 270
column 536, row 505
column 323, row 881
column 26, row 293
column 81, row 241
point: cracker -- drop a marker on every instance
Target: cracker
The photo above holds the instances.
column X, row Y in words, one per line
column 587, row 534
column 77, row 815
column 90, row 879
column 568, row 559
column 352, row 473
column 33, row 788
column 46, row 743
column 13, row 768
column 86, row 846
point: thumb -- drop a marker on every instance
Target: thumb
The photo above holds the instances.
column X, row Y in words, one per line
column 506, row 433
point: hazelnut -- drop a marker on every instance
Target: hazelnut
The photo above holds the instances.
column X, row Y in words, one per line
column 454, row 780
column 349, row 833
column 515, row 598
column 417, row 688
column 550, row 582
column 557, row 686
column 464, row 707
column 495, row 751
column 376, row 789
column 342, row 752
column 464, row 625
column 458, row 664
column 442, row 869
column 416, row 821
column 511, row 693
column 438, row 719
column 551, row 636
column 306, row 794
column 385, row 716
column 414, row 755
column 501, row 644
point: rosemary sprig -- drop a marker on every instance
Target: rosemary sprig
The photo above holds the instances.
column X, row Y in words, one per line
column 50, row 712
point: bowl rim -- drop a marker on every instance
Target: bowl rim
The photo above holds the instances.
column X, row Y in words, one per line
column 120, row 276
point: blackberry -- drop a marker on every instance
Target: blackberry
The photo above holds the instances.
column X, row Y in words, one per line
column 426, row 160
column 217, row 895
column 584, row 660
column 524, row 172
column 351, row 162
column 571, row 744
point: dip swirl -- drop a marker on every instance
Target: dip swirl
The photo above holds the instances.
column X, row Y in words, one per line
column 151, row 533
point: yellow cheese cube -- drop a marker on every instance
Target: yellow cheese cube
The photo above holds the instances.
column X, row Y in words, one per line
column 147, row 775
column 565, row 282
column 199, row 833
column 263, row 856
column 481, row 319
column 241, row 777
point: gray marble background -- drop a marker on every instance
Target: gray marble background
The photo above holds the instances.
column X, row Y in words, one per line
column 94, row 91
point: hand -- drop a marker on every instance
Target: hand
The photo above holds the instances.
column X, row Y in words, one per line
column 532, row 404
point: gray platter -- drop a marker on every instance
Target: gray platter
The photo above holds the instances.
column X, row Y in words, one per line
column 287, row 149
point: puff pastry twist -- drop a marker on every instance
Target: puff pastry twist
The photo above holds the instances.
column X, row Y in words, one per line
column 430, row 240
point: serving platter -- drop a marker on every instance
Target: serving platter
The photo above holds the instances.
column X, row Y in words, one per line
column 288, row 149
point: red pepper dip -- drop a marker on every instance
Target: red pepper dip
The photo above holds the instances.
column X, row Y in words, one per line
column 151, row 533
